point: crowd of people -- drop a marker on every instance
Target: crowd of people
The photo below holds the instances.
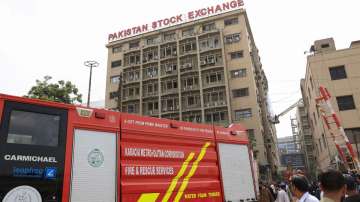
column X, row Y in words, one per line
column 332, row 186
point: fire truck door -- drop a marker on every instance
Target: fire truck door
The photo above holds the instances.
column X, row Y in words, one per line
column 94, row 167
column 236, row 172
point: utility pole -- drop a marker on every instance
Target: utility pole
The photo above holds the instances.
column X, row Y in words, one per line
column 91, row 64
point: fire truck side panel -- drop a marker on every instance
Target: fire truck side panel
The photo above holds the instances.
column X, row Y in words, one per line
column 98, row 121
column 94, row 166
column 164, row 160
column 235, row 163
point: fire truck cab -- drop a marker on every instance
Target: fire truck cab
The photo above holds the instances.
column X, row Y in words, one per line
column 58, row 152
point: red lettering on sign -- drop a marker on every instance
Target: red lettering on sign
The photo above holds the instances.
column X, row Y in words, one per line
column 160, row 23
column 128, row 32
column 145, row 28
column 233, row 4
column 226, row 6
column 179, row 18
column 166, row 21
column 210, row 10
column 218, row 9
column 134, row 29
column 154, row 25
column 197, row 13
column 112, row 36
column 191, row 15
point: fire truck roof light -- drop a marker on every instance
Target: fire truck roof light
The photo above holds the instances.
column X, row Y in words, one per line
column 84, row 112
column 99, row 115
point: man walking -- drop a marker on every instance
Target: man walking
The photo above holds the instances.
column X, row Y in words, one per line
column 332, row 183
column 282, row 196
column 300, row 189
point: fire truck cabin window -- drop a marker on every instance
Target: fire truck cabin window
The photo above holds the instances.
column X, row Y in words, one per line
column 33, row 128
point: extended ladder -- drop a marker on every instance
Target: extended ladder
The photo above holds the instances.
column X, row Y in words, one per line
column 340, row 139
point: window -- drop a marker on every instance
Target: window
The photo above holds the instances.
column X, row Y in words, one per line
column 238, row 54
column 345, row 102
column 353, row 134
column 191, row 100
column 169, row 36
column 188, row 32
column 243, row 113
column 134, row 44
column 131, row 108
column 115, row 79
column 238, row 73
column 240, row 92
column 232, row 38
column 337, row 72
column 208, row 27
column 152, row 40
column 114, row 94
column 116, row 63
column 231, row 21
column 216, row 116
column 116, row 49
column 33, row 128
column 326, row 45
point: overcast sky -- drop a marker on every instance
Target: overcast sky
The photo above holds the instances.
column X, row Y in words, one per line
column 55, row 37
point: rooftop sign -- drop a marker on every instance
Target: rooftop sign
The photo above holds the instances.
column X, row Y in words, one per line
column 175, row 20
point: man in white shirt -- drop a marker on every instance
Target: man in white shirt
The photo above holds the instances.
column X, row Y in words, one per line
column 282, row 196
column 299, row 188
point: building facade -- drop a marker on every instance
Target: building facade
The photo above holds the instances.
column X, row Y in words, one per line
column 306, row 139
column 339, row 72
column 286, row 145
column 205, row 71
column 290, row 153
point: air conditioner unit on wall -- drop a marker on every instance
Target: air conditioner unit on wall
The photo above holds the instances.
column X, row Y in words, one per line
column 203, row 62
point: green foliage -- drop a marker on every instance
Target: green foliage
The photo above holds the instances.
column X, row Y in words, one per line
column 59, row 92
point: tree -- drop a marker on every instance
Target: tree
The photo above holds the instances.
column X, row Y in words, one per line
column 59, row 92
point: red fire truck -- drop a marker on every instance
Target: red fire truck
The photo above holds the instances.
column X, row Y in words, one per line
column 57, row 152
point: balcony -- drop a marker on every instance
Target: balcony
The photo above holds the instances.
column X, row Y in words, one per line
column 170, row 109
column 151, row 112
column 220, row 103
column 213, row 30
column 213, row 84
column 190, row 88
column 169, row 69
column 187, row 67
column 154, row 59
column 129, row 98
column 152, row 94
column 209, row 48
column 169, row 91
column 211, row 63
column 131, row 80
